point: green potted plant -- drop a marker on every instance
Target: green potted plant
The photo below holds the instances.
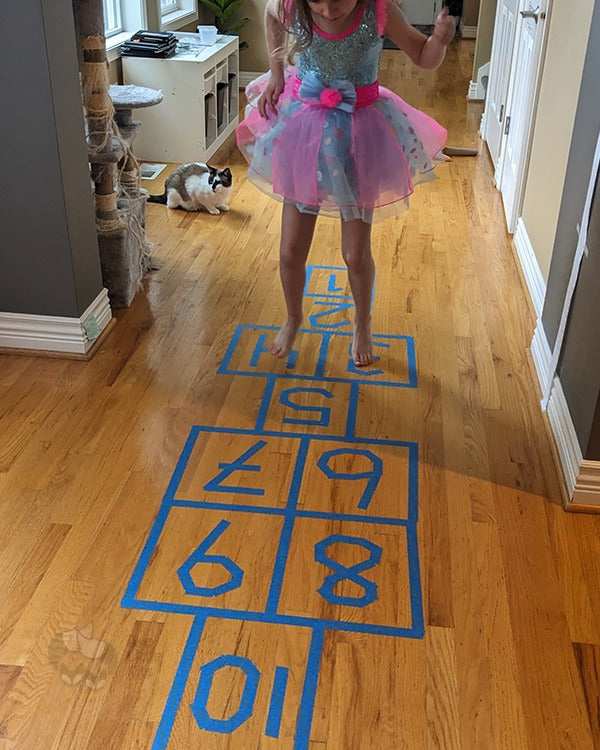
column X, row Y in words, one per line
column 223, row 11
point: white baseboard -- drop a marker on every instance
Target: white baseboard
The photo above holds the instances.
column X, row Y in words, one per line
column 561, row 422
column 482, row 123
column 542, row 356
column 587, row 486
column 246, row 76
column 468, row 32
column 478, row 89
column 49, row 333
column 473, row 93
column 531, row 269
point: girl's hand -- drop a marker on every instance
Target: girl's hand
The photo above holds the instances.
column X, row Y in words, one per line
column 445, row 27
column 270, row 96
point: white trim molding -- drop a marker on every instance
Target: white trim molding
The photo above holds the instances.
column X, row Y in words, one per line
column 542, row 355
column 478, row 88
column 559, row 416
column 531, row 269
column 54, row 334
column 587, row 486
column 565, row 436
column 468, row 32
column 482, row 123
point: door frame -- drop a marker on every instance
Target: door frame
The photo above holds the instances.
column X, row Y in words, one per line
column 545, row 6
column 496, row 80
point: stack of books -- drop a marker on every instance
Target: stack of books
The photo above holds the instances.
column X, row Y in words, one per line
column 150, row 44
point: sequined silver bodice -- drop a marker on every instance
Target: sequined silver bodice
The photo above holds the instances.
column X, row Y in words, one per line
column 354, row 57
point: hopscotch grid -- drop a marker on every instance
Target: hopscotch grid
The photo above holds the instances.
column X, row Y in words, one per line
column 414, row 631
column 170, row 500
column 167, row 720
column 312, row 436
column 273, row 511
column 289, row 513
column 309, row 275
column 327, row 336
column 286, row 533
column 157, row 527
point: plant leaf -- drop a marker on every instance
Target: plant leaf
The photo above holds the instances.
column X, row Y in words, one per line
column 235, row 29
column 212, row 7
column 231, row 9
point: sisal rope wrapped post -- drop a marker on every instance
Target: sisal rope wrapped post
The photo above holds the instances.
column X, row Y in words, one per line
column 100, row 119
column 129, row 176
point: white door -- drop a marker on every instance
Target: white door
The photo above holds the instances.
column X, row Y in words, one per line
column 519, row 106
column 421, row 12
column 500, row 66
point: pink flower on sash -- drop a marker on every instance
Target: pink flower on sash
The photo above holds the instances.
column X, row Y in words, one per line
column 330, row 98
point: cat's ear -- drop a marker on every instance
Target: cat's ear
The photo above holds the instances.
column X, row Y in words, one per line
column 226, row 178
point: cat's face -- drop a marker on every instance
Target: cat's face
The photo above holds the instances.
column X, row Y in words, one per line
column 218, row 177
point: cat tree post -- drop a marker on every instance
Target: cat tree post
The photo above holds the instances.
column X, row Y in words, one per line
column 99, row 113
column 120, row 209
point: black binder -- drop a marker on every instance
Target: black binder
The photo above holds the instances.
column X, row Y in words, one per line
column 150, row 44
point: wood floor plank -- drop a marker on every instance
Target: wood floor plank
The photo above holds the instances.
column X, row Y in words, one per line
column 587, row 656
column 442, row 690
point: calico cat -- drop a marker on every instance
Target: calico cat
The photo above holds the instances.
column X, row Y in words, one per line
column 195, row 186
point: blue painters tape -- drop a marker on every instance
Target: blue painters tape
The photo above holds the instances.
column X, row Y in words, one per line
column 300, row 513
column 245, row 709
column 414, row 631
column 332, row 306
column 348, row 572
column 214, row 485
column 161, row 518
column 167, row 720
column 277, row 699
column 360, row 375
column 309, row 691
column 285, row 540
column 323, row 411
column 236, row 574
column 310, row 269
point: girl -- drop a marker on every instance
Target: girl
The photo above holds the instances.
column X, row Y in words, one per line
column 327, row 139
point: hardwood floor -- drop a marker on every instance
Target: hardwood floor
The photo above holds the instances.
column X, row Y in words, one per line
column 477, row 627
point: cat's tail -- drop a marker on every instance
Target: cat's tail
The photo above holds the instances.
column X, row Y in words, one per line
column 157, row 198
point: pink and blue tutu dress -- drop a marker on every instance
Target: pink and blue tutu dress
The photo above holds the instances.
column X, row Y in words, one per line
column 340, row 144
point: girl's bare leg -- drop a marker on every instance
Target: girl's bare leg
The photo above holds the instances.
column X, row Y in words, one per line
column 297, row 231
column 356, row 251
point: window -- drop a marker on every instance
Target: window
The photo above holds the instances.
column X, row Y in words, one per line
column 177, row 13
column 112, row 17
column 168, row 6
column 122, row 18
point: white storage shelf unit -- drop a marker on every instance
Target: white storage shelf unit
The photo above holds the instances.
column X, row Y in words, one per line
column 199, row 111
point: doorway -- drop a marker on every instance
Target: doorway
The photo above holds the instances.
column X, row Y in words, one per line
column 517, row 55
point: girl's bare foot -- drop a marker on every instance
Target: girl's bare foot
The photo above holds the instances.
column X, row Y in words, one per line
column 284, row 340
column 362, row 345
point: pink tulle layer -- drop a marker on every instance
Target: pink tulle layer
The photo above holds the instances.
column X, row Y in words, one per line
column 331, row 161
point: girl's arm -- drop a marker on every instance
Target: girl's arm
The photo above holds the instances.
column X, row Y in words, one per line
column 426, row 52
column 275, row 37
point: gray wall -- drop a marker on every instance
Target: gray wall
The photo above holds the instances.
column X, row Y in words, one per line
column 49, row 262
column 579, row 367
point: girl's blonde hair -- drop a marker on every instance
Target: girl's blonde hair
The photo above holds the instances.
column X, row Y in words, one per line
column 297, row 13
